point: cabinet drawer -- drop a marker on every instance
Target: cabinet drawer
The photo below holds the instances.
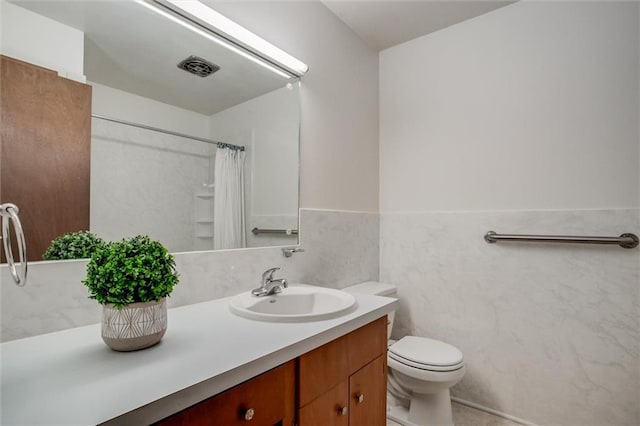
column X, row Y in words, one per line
column 269, row 395
column 366, row 344
column 327, row 410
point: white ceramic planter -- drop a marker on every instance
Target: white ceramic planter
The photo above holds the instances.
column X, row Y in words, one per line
column 135, row 326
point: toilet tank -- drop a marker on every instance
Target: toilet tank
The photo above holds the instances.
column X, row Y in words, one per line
column 377, row 289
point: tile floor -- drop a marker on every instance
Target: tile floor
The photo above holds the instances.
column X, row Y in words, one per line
column 467, row 416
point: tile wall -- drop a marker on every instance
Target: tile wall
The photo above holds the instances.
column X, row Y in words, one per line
column 341, row 248
column 550, row 333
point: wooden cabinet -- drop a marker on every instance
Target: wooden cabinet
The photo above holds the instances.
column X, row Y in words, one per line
column 368, row 405
column 265, row 400
column 342, row 383
column 45, row 140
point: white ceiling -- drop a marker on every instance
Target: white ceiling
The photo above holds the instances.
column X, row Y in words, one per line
column 130, row 48
column 383, row 24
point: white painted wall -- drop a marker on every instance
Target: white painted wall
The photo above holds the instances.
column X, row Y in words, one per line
column 269, row 128
column 339, row 95
column 42, row 41
column 115, row 103
column 523, row 120
column 532, row 106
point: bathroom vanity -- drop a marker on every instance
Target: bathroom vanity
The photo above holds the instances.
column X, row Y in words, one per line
column 340, row 383
column 210, row 364
column 344, row 381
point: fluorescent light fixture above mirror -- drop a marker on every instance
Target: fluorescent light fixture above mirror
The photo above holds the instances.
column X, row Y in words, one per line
column 203, row 20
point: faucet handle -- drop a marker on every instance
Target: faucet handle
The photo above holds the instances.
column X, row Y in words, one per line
column 268, row 274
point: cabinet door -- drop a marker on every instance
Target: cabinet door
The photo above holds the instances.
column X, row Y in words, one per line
column 266, row 400
column 367, row 394
column 329, row 409
column 46, row 151
column 322, row 369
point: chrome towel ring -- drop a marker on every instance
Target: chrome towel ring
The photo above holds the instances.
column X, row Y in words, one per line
column 9, row 213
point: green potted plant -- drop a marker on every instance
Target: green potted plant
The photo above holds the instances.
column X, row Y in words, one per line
column 73, row 245
column 131, row 279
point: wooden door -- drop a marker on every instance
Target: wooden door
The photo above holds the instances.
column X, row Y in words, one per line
column 367, row 394
column 45, row 148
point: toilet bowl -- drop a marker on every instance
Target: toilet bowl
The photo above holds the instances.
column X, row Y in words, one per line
column 427, row 368
column 420, row 370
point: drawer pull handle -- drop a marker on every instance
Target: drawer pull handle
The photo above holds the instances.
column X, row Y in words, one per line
column 248, row 415
column 343, row 411
column 360, row 398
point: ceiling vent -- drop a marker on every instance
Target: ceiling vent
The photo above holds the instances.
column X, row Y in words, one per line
column 198, row 66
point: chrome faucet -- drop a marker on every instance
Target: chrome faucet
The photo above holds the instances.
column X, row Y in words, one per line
column 269, row 285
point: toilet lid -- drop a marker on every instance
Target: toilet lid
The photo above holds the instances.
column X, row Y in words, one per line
column 426, row 352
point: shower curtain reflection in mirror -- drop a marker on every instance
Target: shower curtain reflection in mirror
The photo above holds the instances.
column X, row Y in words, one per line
column 229, row 209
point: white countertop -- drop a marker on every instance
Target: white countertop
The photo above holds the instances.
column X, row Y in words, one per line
column 71, row 377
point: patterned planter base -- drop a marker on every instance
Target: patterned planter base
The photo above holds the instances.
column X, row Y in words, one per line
column 135, row 326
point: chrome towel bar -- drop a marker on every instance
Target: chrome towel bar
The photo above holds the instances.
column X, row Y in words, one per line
column 626, row 240
column 257, row 231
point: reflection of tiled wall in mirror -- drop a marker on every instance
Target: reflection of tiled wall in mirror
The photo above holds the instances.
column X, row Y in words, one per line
column 143, row 182
column 269, row 127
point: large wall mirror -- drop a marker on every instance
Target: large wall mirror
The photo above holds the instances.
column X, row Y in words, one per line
column 181, row 128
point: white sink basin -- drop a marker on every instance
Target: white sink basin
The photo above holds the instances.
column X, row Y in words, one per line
column 294, row 304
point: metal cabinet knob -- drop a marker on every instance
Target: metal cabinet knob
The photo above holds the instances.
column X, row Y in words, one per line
column 248, row 415
column 360, row 398
column 343, row 411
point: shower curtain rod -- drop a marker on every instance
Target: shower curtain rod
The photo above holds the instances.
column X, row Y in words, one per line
column 169, row 132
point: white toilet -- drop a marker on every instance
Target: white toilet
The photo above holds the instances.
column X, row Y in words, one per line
column 421, row 370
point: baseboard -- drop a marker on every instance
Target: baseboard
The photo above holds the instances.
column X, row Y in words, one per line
column 492, row 411
column 399, row 415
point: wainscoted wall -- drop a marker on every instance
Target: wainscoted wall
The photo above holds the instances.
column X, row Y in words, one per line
column 341, row 248
column 550, row 333
column 521, row 120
